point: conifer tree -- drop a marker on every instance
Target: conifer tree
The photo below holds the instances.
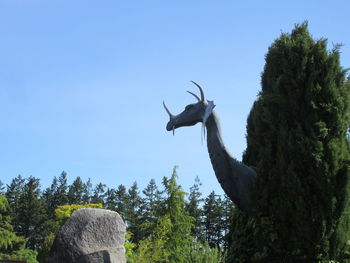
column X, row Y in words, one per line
column 13, row 193
column 87, row 192
column 31, row 213
column 99, row 194
column 50, row 197
column 110, row 199
column 2, row 188
column 132, row 212
column 228, row 210
column 297, row 142
column 193, row 208
column 62, row 188
column 150, row 207
column 9, row 241
column 121, row 200
column 11, row 245
column 76, row 192
column 180, row 236
column 171, row 240
column 212, row 221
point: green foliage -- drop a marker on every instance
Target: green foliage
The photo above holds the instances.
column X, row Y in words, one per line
column 129, row 247
column 2, row 188
column 297, row 142
column 171, row 239
column 151, row 207
column 203, row 253
column 132, row 212
column 155, row 248
column 99, row 193
column 28, row 210
column 26, row 255
column 213, row 225
column 76, row 192
column 120, row 202
column 11, row 245
column 193, row 208
column 9, row 241
column 163, row 221
column 65, row 211
column 179, row 237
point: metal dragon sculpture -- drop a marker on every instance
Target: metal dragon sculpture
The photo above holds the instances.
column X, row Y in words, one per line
column 235, row 178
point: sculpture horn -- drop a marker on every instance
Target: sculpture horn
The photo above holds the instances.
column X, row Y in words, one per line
column 194, row 95
column 200, row 89
column 167, row 110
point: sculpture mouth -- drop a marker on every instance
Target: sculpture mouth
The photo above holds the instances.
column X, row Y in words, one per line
column 172, row 125
column 176, row 123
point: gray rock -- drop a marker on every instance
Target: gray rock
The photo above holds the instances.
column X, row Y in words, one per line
column 90, row 235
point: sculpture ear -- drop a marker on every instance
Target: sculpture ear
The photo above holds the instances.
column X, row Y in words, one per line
column 208, row 110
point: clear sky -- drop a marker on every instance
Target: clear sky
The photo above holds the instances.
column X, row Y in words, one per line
column 82, row 82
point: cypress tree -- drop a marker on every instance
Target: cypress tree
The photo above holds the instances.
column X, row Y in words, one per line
column 297, row 140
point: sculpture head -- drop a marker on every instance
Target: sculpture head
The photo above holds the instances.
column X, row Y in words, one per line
column 193, row 113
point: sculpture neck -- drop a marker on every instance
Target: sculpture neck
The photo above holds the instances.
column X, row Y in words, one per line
column 235, row 178
column 214, row 138
column 226, row 168
column 223, row 164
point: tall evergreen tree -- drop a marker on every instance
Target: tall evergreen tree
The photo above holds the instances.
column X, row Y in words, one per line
column 297, row 142
column 62, row 189
column 150, row 207
column 49, row 197
column 87, row 192
column 228, row 210
column 9, row 241
column 171, row 240
column 180, row 237
column 212, row 221
column 76, row 192
column 31, row 213
column 13, row 193
column 121, row 200
column 133, row 213
column 99, row 194
column 2, row 188
column 110, row 199
column 11, row 245
column 193, row 208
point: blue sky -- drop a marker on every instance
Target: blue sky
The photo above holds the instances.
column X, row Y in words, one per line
column 82, row 82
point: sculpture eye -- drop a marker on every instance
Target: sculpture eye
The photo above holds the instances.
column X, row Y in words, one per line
column 188, row 107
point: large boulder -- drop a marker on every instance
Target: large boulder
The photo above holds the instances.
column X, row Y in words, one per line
column 90, row 235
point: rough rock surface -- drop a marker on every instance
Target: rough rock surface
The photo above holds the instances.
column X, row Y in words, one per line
column 90, row 235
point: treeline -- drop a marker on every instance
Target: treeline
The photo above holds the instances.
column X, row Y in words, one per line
column 32, row 211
